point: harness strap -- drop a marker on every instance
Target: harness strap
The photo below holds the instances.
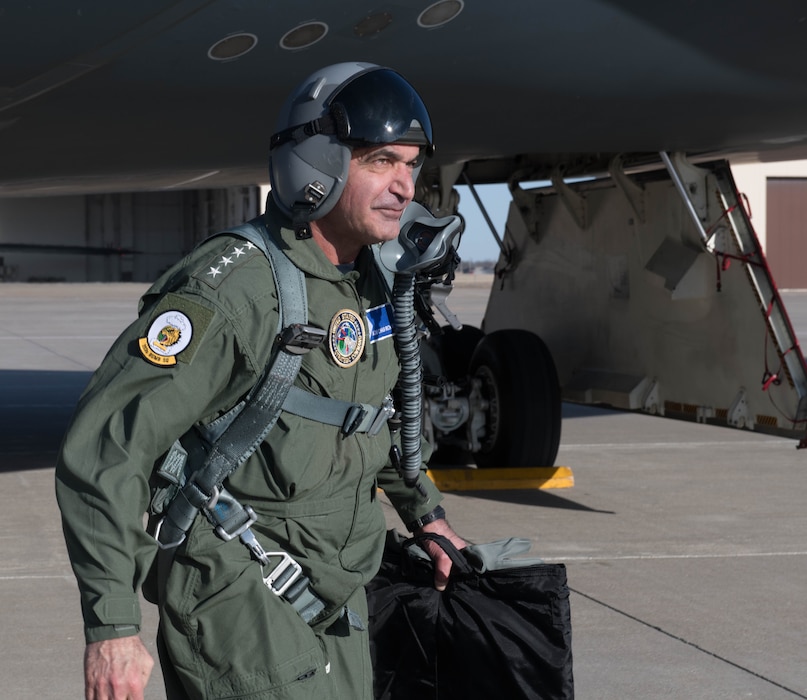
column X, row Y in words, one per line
column 263, row 404
column 237, row 434
column 234, row 436
column 232, row 519
column 289, row 281
column 351, row 417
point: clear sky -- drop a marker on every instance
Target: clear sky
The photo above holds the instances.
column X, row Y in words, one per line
column 478, row 243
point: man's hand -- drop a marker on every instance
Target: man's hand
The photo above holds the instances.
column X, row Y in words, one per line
column 116, row 669
column 442, row 562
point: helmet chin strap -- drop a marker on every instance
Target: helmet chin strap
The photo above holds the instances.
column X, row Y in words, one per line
column 315, row 192
column 302, row 229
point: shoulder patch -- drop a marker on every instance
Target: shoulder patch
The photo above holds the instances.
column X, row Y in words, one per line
column 175, row 332
column 219, row 267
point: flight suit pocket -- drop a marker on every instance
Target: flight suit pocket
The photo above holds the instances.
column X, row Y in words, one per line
column 231, row 636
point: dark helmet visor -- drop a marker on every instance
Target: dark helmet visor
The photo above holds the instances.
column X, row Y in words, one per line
column 381, row 107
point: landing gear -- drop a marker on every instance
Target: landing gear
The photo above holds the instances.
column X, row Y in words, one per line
column 493, row 400
column 447, row 403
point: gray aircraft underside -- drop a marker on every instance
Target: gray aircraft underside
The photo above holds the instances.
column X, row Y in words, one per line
column 637, row 266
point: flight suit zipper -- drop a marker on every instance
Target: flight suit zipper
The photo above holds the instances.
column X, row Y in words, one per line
column 356, row 437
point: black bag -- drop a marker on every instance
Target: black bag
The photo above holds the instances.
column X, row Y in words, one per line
column 501, row 629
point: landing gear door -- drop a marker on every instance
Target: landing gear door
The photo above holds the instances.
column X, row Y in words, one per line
column 653, row 294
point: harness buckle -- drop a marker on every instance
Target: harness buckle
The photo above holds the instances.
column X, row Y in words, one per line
column 299, row 338
column 353, row 419
column 385, row 412
column 279, row 579
column 158, row 534
column 254, row 547
column 251, row 519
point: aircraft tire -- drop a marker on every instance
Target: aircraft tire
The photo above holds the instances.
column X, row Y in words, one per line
column 520, row 383
column 455, row 348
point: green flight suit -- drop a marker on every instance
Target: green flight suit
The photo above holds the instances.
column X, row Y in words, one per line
column 213, row 319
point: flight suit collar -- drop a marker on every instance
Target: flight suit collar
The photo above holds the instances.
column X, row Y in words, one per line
column 306, row 254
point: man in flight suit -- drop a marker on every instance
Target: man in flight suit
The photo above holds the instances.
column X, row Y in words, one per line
column 349, row 145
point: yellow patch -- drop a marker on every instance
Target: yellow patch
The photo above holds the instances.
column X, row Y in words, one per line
column 168, row 335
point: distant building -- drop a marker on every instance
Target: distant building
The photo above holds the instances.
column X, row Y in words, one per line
column 135, row 236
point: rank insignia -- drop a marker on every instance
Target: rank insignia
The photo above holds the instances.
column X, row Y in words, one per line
column 168, row 335
column 347, row 338
column 217, row 269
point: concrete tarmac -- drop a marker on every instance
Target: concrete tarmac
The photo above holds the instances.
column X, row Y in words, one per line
column 685, row 544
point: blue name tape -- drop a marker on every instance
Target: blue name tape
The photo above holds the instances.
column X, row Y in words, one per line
column 380, row 322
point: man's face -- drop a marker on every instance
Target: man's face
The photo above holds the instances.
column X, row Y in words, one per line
column 379, row 187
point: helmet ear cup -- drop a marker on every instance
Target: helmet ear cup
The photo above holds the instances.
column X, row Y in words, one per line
column 295, row 168
column 322, row 158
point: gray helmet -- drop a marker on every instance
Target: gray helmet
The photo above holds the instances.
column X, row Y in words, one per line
column 333, row 110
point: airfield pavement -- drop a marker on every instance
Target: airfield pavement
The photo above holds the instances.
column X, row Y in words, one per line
column 685, row 544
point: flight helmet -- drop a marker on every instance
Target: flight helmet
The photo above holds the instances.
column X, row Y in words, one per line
column 331, row 112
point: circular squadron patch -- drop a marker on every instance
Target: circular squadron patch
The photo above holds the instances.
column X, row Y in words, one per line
column 168, row 335
column 347, row 338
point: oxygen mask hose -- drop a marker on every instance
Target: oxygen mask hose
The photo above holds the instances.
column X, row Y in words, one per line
column 425, row 247
column 410, row 381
